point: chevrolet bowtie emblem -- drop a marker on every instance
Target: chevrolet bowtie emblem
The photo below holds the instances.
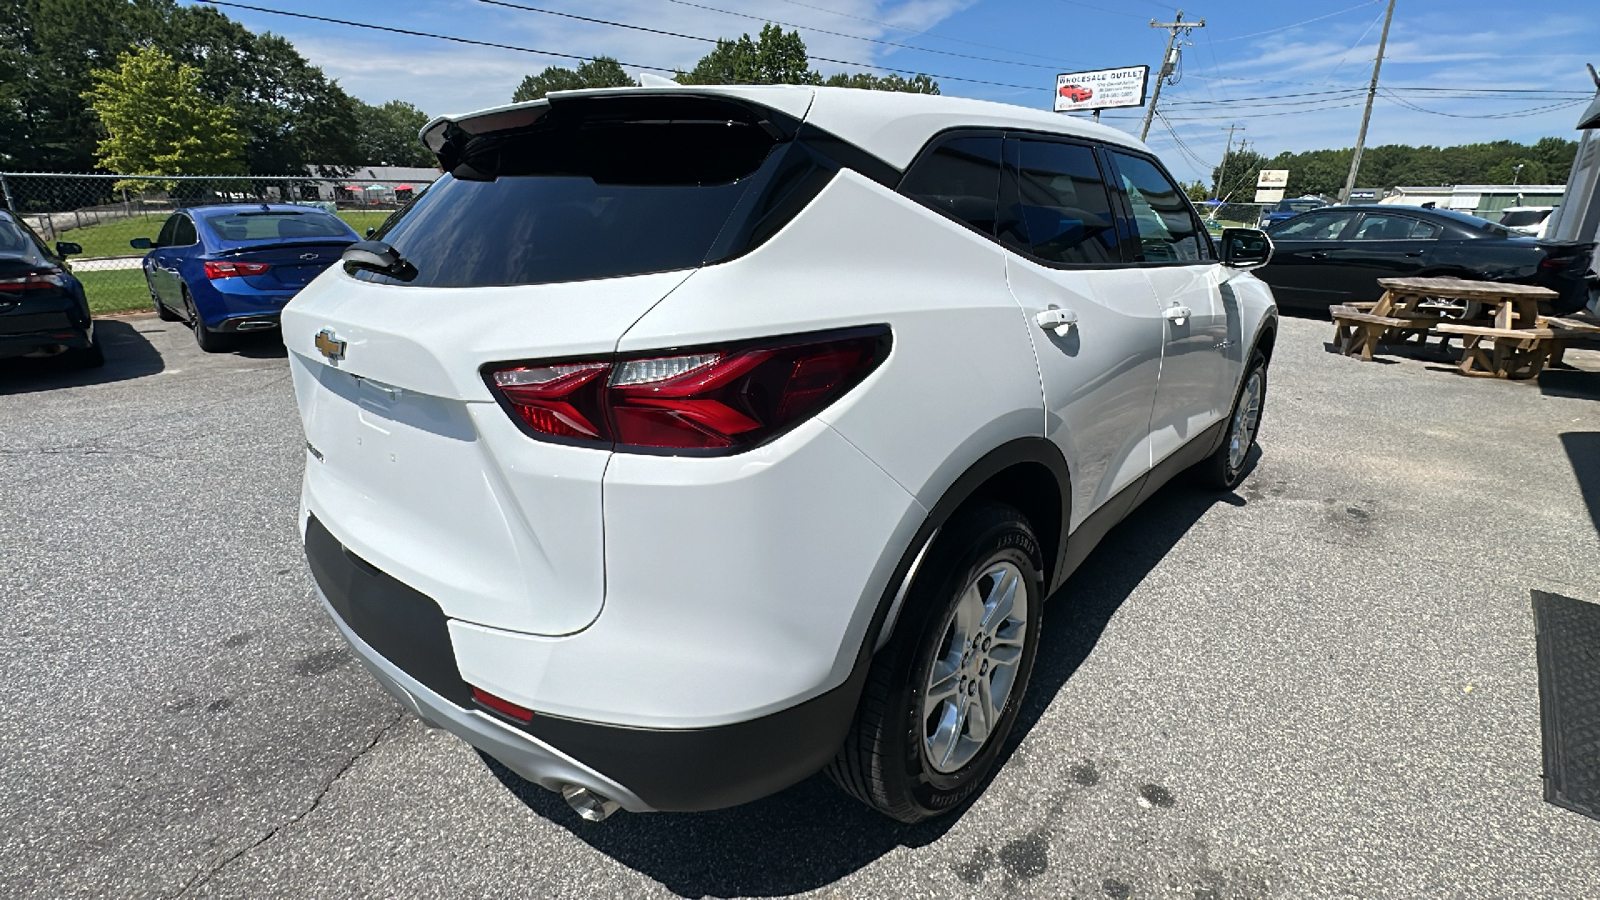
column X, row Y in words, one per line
column 330, row 346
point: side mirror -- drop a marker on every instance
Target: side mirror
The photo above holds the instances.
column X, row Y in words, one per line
column 1245, row 248
column 141, row 244
column 68, row 248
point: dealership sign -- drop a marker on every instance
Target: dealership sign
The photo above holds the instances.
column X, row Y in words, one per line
column 1105, row 89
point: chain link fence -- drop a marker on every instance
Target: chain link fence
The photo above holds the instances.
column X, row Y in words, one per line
column 103, row 213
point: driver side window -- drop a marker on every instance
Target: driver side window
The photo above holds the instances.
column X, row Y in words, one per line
column 167, row 231
column 1168, row 229
column 1317, row 226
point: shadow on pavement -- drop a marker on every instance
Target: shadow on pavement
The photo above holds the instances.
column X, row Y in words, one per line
column 260, row 345
column 128, row 355
column 1569, row 382
column 813, row 834
column 1583, row 451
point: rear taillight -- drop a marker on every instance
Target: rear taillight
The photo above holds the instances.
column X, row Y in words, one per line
column 217, row 269
column 707, row 401
column 43, row 279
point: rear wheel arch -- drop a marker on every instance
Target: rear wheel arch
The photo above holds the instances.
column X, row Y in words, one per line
column 1028, row 474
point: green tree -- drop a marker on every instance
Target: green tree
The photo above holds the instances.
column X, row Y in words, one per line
column 773, row 58
column 294, row 117
column 779, row 57
column 158, row 122
column 917, row 84
column 1235, row 178
column 387, row 134
column 600, row 72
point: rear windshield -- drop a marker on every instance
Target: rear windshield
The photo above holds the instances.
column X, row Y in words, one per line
column 253, row 226
column 1524, row 217
column 16, row 244
column 605, row 188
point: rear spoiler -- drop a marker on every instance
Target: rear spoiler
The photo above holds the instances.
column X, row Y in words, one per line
column 283, row 245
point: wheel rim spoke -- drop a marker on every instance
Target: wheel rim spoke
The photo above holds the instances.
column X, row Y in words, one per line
column 975, row 667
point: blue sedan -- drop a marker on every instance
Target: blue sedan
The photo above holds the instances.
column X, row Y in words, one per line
column 229, row 269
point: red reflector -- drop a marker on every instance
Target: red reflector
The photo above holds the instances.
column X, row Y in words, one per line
column 217, row 269
column 712, row 400
column 506, row 707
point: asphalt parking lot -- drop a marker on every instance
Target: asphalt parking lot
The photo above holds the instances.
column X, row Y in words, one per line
column 1323, row 686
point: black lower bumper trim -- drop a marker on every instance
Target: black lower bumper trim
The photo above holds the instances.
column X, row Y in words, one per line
column 671, row 770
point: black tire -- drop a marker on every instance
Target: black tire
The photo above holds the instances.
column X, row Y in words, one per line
column 164, row 314
column 208, row 340
column 1226, row 468
column 886, row 761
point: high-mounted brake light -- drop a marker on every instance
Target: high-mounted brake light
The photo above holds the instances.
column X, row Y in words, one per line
column 42, row 279
column 710, row 401
column 217, row 269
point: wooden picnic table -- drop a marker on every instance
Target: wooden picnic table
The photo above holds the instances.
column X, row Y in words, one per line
column 1519, row 342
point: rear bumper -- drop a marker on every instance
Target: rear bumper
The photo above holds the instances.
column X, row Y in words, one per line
column 404, row 640
column 24, row 343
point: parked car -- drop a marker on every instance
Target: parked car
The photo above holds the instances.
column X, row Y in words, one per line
column 1336, row 255
column 669, row 479
column 1527, row 220
column 1288, row 209
column 43, row 310
column 1076, row 93
column 231, row 268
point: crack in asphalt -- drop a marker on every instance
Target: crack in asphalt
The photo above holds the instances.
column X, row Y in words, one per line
column 200, row 878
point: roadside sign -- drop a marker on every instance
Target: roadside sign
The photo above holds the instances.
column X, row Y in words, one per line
column 1360, row 194
column 1269, row 195
column 1273, row 178
column 1102, row 89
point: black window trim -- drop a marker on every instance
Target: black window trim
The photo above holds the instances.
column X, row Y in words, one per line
column 1110, row 151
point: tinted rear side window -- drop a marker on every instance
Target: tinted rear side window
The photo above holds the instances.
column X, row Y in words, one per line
column 1061, row 212
column 183, row 234
column 959, row 178
column 605, row 188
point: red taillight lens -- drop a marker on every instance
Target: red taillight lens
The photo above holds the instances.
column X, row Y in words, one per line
column 217, row 269
column 561, row 400
column 41, row 280
column 709, row 401
column 502, row 705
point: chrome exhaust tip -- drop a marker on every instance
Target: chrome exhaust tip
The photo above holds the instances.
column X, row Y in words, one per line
column 590, row 806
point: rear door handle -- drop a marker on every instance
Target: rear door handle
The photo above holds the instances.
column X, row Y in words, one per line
column 1413, row 252
column 1177, row 315
column 1317, row 255
column 1061, row 321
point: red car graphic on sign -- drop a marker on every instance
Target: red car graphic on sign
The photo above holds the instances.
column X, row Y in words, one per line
column 1075, row 93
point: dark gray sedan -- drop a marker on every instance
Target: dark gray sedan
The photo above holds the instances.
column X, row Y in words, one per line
column 1337, row 254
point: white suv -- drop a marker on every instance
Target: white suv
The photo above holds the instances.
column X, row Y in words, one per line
column 681, row 442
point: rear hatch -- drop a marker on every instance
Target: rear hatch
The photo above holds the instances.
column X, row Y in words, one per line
column 553, row 231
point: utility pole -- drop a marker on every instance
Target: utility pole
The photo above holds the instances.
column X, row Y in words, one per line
column 1222, row 173
column 1168, row 62
column 1372, row 91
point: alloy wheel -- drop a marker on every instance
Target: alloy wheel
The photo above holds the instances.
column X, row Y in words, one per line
column 975, row 667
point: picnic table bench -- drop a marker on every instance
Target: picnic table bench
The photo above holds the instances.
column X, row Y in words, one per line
column 1412, row 309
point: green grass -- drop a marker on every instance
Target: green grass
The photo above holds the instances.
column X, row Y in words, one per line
column 115, row 292
column 111, row 238
column 362, row 219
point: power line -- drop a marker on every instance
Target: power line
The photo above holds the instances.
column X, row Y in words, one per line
column 857, row 37
column 1240, row 37
column 426, row 34
column 636, row 65
column 1504, row 115
column 930, row 34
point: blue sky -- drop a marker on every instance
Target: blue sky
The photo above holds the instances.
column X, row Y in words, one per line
column 1238, row 69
